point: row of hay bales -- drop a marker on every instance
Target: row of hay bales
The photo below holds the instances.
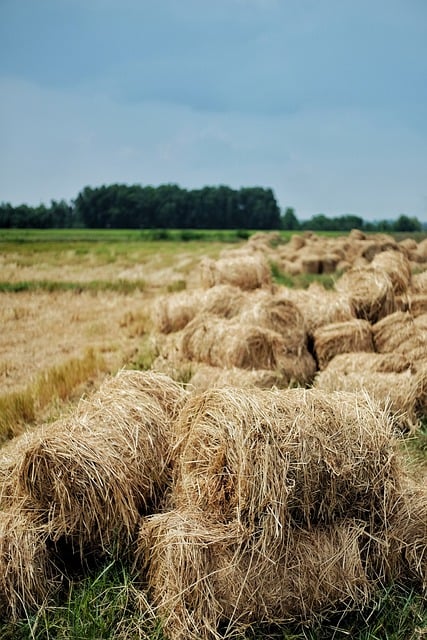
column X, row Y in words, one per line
column 310, row 253
column 235, row 506
column 241, row 329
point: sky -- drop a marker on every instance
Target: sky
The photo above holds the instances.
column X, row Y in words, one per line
column 323, row 101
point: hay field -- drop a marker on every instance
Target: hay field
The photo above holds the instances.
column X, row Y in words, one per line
column 194, row 446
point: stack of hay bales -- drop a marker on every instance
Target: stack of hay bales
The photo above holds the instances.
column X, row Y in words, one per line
column 285, row 505
column 78, row 487
column 268, row 334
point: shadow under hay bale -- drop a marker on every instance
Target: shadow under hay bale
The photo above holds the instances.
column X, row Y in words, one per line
column 342, row 337
column 369, row 291
column 247, row 272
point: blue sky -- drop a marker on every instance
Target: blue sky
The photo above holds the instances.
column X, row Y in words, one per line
column 324, row 101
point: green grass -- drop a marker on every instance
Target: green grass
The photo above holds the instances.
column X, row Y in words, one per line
column 303, row 280
column 93, row 286
column 111, row 605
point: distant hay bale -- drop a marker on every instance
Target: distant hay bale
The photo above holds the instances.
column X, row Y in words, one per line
column 342, row 337
column 228, row 343
column 369, row 291
column 296, row 243
column 319, row 306
column 206, row 377
column 311, row 264
column 223, row 300
column 419, row 282
column 231, row 343
column 278, row 313
column 346, row 363
column 400, row 332
column 247, row 272
column 173, row 312
column 28, row 575
column 357, row 234
column 208, row 582
column 397, row 392
column 396, row 265
column 93, row 473
column 312, row 440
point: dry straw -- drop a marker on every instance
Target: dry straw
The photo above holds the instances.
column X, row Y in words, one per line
column 401, row 333
column 342, row 337
column 388, row 380
column 286, row 505
column 396, row 265
column 247, row 272
column 208, row 582
column 28, row 576
column 93, row 473
column 369, row 291
column 206, row 377
column 280, row 455
column 319, row 306
column 231, row 343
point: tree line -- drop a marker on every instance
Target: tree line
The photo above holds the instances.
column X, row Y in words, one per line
column 168, row 206
column 119, row 206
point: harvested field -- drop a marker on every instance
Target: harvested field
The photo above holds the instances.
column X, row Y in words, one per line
column 238, row 500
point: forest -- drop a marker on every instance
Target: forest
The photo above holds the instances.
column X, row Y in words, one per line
column 168, row 206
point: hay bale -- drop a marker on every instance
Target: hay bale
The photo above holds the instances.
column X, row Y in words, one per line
column 206, row 377
column 93, row 473
column 28, row 575
column 419, row 283
column 396, row 265
column 369, row 291
column 345, row 363
column 173, row 312
column 319, row 306
column 230, row 343
column 277, row 313
column 342, row 337
column 208, row 581
column 223, row 300
column 401, row 333
column 295, row 243
column 247, row 272
column 397, row 392
column 280, row 456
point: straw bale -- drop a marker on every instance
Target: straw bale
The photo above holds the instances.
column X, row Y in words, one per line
column 207, row 377
column 28, row 576
column 296, row 243
column 402, row 333
column 398, row 393
column 397, row 267
column 342, row 337
column 320, row 306
column 419, row 282
column 278, row 456
column 231, row 343
column 369, row 291
column 293, row 267
column 210, row 581
column 415, row 303
column 94, row 472
column 174, row 311
column 247, row 272
column 357, row 234
column 422, row 250
column 223, row 300
column 345, row 363
column 263, row 241
column 228, row 343
column 408, row 244
column 311, row 264
column 278, row 313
